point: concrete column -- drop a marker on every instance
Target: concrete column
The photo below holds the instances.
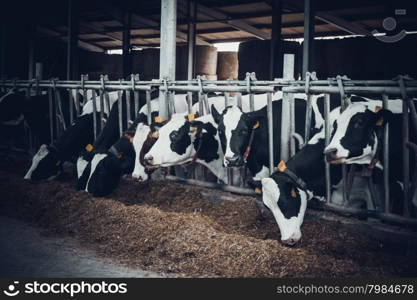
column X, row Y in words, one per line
column 167, row 50
column 72, row 45
column 127, row 63
column 192, row 12
column 276, row 58
column 308, row 37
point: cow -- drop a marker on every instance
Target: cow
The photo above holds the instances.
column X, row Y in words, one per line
column 47, row 162
column 301, row 178
column 356, row 138
column 183, row 140
column 106, row 164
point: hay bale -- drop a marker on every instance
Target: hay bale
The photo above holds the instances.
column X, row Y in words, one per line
column 206, row 60
column 227, row 65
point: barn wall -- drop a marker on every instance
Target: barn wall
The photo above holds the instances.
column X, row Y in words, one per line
column 254, row 56
column 365, row 58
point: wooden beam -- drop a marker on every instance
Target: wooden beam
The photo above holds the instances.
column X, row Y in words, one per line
column 81, row 44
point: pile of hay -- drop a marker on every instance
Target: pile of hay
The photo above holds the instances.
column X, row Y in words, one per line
column 172, row 228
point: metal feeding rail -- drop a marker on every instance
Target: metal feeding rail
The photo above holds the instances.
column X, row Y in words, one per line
column 401, row 87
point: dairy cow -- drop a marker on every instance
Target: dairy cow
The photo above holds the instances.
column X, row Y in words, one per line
column 109, row 164
column 301, row 178
column 356, row 138
column 47, row 162
column 183, row 140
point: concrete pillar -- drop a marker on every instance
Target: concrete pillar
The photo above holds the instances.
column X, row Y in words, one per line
column 167, row 50
column 276, row 58
column 192, row 12
column 72, row 45
column 308, row 37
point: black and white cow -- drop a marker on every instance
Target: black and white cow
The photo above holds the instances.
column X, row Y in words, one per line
column 47, row 162
column 356, row 137
column 182, row 141
column 301, row 178
column 109, row 164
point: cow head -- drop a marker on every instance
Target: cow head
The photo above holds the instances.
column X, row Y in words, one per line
column 234, row 131
column 354, row 137
column 288, row 205
column 107, row 168
column 46, row 164
column 142, row 142
column 180, row 139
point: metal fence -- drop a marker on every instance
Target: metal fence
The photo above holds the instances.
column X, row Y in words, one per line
column 401, row 87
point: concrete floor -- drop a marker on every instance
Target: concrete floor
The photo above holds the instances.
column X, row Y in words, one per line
column 25, row 252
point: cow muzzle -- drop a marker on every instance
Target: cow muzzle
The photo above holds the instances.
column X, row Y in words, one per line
column 233, row 161
column 332, row 157
column 148, row 159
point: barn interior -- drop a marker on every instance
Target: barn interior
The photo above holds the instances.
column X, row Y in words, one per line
column 169, row 228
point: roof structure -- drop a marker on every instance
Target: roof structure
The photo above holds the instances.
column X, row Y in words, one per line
column 101, row 22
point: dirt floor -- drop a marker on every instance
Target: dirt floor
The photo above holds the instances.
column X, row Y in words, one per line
column 184, row 231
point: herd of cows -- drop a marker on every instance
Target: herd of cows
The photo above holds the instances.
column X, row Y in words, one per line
column 219, row 138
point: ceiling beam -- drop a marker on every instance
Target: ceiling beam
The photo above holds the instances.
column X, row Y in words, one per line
column 82, row 44
column 238, row 24
column 330, row 18
column 139, row 21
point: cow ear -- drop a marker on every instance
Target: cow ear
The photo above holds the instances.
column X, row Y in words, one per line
column 255, row 115
column 383, row 117
column 211, row 130
column 215, row 113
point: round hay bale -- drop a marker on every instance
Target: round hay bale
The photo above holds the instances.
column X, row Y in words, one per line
column 206, row 60
column 227, row 65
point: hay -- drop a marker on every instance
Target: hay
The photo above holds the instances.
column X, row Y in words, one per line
column 172, row 228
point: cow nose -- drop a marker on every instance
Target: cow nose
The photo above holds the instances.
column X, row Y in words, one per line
column 290, row 242
column 330, row 154
column 232, row 159
column 148, row 160
column 137, row 177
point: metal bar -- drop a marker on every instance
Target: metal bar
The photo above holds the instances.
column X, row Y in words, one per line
column 94, row 114
column 226, row 99
column 308, row 37
column 292, row 126
column 201, row 104
column 71, row 106
column 327, row 141
column 251, row 102
column 120, row 104
column 56, row 116
column 136, row 96
column 270, row 133
column 51, row 114
column 149, row 107
column 239, row 100
column 224, row 187
column 406, row 157
column 107, row 99
column 386, row 159
column 309, row 110
column 101, row 95
column 77, row 103
column 285, row 127
column 128, row 111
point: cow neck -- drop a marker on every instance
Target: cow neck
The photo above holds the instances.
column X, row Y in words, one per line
column 128, row 135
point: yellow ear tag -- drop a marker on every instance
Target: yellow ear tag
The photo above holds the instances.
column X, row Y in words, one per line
column 257, row 124
column 158, row 119
column 380, row 121
column 89, row 147
column 191, row 117
column 293, row 193
column 258, row 191
column 282, row 166
column 377, row 108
